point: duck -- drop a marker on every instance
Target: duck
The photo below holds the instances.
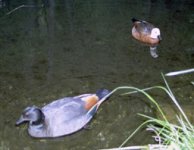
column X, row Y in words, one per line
column 64, row 116
column 147, row 33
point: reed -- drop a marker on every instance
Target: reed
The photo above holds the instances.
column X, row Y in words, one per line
column 169, row 136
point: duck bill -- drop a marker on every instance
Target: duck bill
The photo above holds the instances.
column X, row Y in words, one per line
column 159, row 38
column 20, row 121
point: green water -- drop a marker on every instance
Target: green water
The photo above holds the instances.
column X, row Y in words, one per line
column 78, row 46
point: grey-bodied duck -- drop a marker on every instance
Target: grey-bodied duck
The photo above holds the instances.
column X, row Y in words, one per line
column 63, row 116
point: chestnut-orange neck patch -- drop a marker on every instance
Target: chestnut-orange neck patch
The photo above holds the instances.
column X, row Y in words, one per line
column 90, row 102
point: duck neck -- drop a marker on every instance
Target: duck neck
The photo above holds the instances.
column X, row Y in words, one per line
column 40, row 120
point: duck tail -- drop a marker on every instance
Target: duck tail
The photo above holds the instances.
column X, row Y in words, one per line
column 134, row 20
column 101, row 93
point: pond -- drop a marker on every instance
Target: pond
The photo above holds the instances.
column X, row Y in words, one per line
column 50, row 50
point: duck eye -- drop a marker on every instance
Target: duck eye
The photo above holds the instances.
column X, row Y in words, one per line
column 26, row 115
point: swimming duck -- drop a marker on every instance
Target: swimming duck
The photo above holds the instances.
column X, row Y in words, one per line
column 63, row 116
column 146, row 33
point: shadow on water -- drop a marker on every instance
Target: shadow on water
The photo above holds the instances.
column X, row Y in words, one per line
column 72, row 47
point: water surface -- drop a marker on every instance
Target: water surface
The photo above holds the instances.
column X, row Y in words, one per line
column 73, row 47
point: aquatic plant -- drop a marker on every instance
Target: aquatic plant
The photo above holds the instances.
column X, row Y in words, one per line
column 169, row 136
column 175, row 73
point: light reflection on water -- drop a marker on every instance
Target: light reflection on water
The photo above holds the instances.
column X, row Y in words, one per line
column 79, row 46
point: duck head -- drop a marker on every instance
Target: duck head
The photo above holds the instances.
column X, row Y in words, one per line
column 155, row 33
column 33, row 115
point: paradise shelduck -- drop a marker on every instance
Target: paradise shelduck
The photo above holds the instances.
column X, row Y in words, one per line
column 146, row 33
column 64, row 116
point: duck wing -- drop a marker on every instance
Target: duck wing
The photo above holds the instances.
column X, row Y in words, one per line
column 64, row 109
column 65, row 116
column 144, row 27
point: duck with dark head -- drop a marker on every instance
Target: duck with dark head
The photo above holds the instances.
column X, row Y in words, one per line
column 64, row 116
